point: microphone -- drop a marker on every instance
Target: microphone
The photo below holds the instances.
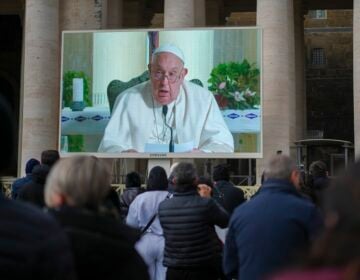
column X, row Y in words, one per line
column 171, row 144
column 164, row 111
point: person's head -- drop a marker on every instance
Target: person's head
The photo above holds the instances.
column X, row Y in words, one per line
column 184, row 177
column 282, row 167
column 40, row 173
column 167, row 73
column 171, row 177
column 204, row 186
column 132, row 180
column 318, row 169
column 30, row 164
column 81, row 181
column 221, row 172
column 49, row 157
column 157, row 180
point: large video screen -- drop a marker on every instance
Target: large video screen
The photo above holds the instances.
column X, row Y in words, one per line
column 193, row 93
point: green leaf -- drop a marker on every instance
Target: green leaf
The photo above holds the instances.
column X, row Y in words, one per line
column 238, row 77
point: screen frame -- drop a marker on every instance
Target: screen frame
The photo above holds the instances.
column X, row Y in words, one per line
column 188, row 155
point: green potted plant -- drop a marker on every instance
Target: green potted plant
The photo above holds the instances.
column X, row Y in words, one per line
column 68, row 87
column 75, row 142
column 236, row 85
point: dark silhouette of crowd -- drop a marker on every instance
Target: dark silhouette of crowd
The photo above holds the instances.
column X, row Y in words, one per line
column 65, row 221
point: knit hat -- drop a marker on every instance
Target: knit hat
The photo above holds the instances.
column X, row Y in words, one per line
column 30, row 164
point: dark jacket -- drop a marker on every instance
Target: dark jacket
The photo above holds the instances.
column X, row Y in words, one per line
column 126, row 198
column 33, row 191
column 317, row 186
column 265, row 232
column 103, row 247
column 227, row 195
column 18, row 184
column 32, row 244
column 188, row 223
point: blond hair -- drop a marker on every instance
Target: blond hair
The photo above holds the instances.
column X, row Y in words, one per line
column 83, row 180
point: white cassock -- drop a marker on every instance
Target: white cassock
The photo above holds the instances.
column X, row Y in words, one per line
column 195, row 117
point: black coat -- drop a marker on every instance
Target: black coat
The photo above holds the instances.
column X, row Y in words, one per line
column 227, row 195
column 103, row 247
column 33, row 191
column 126, row 198
column 188, row 223
column 32, row 244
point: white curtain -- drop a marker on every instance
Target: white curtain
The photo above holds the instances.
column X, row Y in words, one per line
column 197, row 46
column 116, row 55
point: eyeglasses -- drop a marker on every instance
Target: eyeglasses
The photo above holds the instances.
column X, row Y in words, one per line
column 172, row 77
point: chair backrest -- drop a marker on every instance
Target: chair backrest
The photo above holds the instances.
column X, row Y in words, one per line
column 116, row 87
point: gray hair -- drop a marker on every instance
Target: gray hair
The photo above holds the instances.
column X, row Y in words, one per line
column 184, row 174
column 279, row 167
column 83, row 180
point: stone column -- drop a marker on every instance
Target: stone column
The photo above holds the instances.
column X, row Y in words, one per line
column 80, row 14
column 276, row 19
column 300, row 92
column 179, row 13
column 356, row 42
column 39, row 105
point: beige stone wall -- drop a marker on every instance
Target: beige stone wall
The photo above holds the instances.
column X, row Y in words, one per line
column 334, row 18
column 174, row 18
column 337, row 46
column 80, row 14
column 241, row 19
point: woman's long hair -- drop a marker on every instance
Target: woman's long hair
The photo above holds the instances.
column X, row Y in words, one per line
column 157, row 180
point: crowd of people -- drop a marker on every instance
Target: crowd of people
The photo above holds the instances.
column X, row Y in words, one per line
column 66, row 222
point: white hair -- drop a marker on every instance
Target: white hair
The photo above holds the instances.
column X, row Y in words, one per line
column 279, row 167
column 83, row 180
